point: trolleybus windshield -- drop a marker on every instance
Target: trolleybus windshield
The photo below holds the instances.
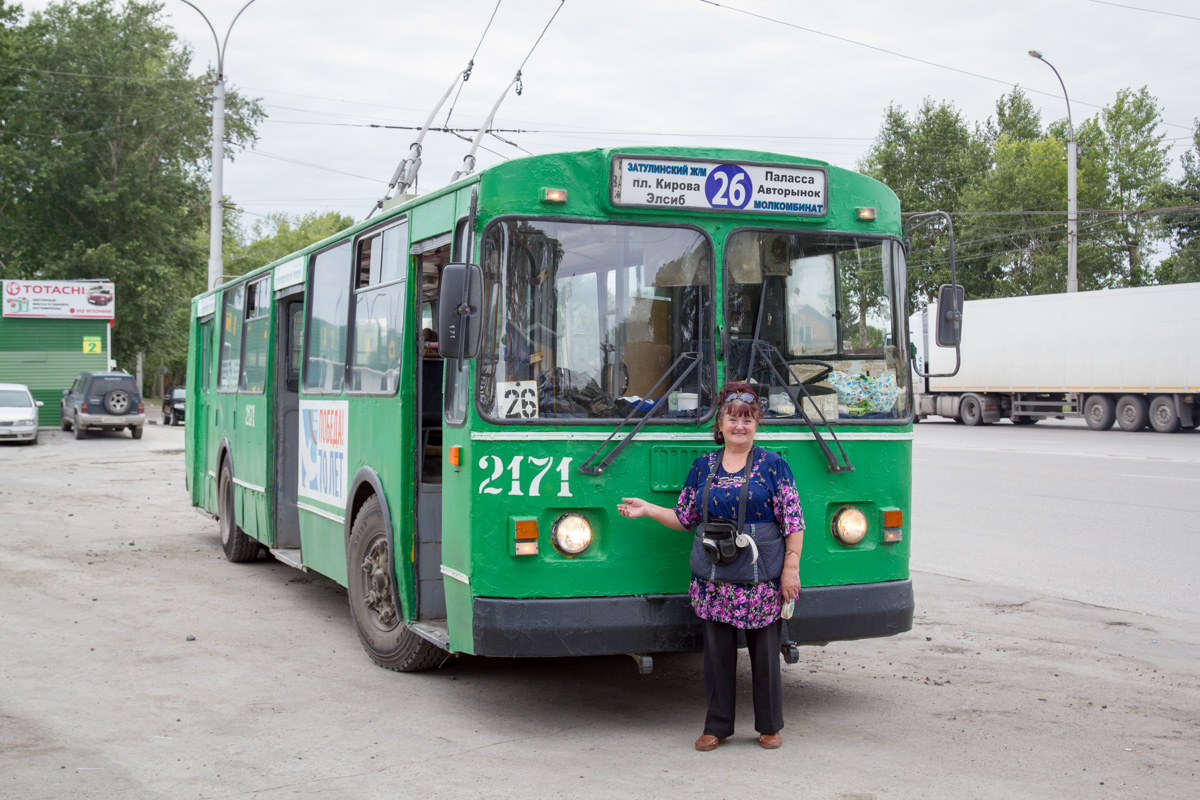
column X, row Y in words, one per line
column 821, row 310
column 583, row 319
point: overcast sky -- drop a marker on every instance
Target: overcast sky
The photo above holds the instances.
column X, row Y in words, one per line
column 629, row 72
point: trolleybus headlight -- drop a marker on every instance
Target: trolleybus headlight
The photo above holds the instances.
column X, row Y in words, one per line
column 571, row 534
column 849, row 525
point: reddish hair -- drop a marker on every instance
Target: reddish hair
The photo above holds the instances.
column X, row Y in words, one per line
column 735, row 409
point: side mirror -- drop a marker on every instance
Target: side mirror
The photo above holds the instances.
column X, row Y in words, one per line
column 949, row 321
column 460, row 311
column 66, row 392
column 39, row 403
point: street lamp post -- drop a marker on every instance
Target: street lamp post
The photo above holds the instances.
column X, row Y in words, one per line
column 1072, row 198
column 216, row 265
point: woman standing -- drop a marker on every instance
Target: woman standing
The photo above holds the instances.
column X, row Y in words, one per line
column 737, row 581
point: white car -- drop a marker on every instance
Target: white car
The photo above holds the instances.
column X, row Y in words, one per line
column 18, row 414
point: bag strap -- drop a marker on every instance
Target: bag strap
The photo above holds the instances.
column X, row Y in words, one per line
column 712, row 474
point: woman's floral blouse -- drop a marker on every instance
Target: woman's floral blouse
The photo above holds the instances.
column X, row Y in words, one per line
column 772, row 497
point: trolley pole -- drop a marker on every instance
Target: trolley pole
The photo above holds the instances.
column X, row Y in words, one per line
column 216, row 223
column 1072, row 186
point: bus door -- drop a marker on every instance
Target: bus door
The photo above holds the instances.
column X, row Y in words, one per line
column 431, row 598
column 200, row 423
column 289, row 322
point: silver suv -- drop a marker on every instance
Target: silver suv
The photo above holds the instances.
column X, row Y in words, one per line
column 107, row 401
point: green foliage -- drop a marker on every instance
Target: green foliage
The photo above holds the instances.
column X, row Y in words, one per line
column 1136, row 164
column 103, row 161
column 1183, row 265
column 278, row 235
column 1005, row 183
column 928, row 160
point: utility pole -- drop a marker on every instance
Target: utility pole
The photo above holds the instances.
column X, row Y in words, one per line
column 1072, row 194
column 216, row 266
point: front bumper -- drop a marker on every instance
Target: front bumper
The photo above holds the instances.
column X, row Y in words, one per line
column 112, row 421
column 590, row 626
column 18, row 433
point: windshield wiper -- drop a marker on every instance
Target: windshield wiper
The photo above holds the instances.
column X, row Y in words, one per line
column 589, row 466
column 769, row 351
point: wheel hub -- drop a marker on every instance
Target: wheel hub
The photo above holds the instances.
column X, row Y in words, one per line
column 377, row 585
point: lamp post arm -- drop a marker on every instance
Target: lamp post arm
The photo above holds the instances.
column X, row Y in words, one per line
column 216, row 41
column 235, row 19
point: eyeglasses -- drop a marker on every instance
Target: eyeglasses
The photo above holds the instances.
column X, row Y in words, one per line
column 741, row 397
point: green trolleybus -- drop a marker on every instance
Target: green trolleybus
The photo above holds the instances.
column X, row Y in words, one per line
column 440, row 407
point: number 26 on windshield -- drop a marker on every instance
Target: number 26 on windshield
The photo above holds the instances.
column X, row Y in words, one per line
column 523, row 482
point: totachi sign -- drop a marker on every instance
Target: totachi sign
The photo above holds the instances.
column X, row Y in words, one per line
column 59, row 299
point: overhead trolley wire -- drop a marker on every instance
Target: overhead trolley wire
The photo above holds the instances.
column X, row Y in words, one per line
column 471, row 63
column 884, row 50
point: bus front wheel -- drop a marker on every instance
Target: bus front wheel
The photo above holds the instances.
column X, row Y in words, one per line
column 371, row 583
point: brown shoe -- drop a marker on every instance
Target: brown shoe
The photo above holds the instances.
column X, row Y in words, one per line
column 709, row 742
column 768, row 741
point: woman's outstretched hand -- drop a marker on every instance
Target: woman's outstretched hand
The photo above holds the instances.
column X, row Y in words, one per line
column 633, row 507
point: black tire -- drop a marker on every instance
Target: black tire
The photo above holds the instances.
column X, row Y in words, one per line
column 62, row 421
column 1100, row 412
column 80, row 433
column 970, row 411
column 1018, row 419
column 238, row 546
column 135, row 431
column 371, row 585
column 117, row 402
column 1163, row 416
column 1132, row 412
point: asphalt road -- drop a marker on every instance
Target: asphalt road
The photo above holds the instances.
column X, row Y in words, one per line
column 135, row 662
column 1109, row 518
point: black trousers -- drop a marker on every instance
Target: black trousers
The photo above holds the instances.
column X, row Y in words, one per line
column 720, row 677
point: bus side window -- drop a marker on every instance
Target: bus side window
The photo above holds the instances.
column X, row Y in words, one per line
column 231, row 337
column 255, row 343
column 457, row 389
column 379, row 302
column 329, row 311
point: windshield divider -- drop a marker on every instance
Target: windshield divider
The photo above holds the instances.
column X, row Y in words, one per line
column 589, row 467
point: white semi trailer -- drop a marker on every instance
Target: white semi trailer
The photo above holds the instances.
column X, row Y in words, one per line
column 1129, row 356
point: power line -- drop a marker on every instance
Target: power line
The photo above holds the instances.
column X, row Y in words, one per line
column 1147, row 10
column 926, row 62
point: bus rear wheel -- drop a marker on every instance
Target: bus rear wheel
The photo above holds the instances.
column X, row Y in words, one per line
column 371, row 583
column 238, row 546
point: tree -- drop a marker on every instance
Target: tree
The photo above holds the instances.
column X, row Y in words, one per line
column 1136, row 164
column 927, row 160
column 1183, row 265
column 278, row 235
column 104, row 151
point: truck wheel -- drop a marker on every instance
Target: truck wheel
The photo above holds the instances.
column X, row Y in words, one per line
column 1132, row 412
column 371, row 584
column 1100, row 412
column 1163, row 416
column 79, row 431
column 238, row 546
column 970, row 411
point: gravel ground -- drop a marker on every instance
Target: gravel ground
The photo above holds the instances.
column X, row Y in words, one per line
column 135, row 662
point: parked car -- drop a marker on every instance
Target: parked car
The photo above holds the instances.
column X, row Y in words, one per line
column 108, row 401
column 174, row 401
column 18, row 414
